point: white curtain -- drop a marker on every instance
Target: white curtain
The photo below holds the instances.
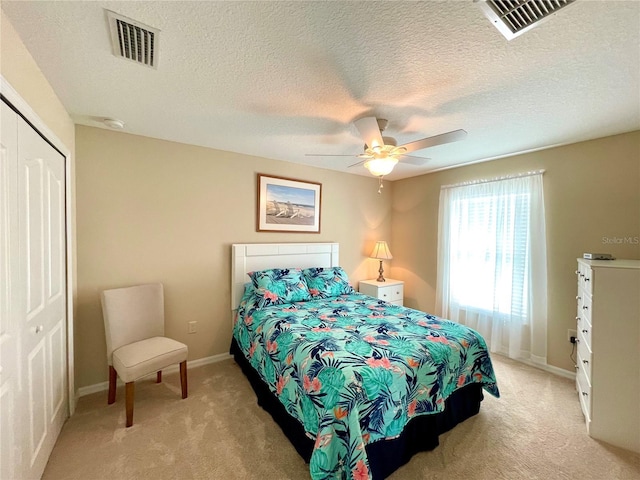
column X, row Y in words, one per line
column 492, row 263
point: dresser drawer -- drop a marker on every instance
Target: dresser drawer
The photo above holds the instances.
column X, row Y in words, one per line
column 584, row 391
column 585, row 308
column 584, row 355
column 585, row 277
column 391, row 293
column 584, row 333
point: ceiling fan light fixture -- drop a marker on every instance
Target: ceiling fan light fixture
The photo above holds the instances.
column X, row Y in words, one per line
column 381, row 154
column 380, row 166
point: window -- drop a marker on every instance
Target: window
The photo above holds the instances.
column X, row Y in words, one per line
column 488, row 258
column 492, row 262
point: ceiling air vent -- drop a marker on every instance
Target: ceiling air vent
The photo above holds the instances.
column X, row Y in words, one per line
column 514, row 17
column 133, row 40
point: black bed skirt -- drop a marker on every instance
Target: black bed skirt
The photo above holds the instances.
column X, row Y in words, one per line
column 385, row 457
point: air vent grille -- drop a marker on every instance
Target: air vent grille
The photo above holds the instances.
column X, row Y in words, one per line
column 514, row 17
column 133, row 40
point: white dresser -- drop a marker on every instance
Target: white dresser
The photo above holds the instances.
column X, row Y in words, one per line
column 391, row 291
column 608, row 360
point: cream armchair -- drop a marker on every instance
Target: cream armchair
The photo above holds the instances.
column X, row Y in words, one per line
column 136, row 345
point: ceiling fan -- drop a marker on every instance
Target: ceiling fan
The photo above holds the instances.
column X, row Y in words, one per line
column 381, row 154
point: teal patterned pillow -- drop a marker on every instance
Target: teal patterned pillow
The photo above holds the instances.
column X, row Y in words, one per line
column 327, row 282
column 279, row 285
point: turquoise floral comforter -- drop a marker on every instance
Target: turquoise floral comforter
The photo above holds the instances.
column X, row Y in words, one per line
column 354, row 370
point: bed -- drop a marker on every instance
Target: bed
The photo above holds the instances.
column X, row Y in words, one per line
column 358, row 385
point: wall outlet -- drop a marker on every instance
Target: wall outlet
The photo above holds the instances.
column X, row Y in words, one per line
column 572, row 334
column 192, row 327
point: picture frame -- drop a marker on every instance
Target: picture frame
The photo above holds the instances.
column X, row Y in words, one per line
column 288, row 205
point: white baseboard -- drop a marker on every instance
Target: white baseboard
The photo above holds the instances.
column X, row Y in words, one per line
column 560, row 372
column 102, row 386
column 551, row 369
column 541, row 363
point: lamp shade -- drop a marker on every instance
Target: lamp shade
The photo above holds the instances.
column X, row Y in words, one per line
column 381, row 251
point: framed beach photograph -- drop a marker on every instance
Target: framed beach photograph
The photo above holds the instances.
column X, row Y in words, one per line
column 288, row 205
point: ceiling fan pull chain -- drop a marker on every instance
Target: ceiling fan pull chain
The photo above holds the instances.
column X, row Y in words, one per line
column 381, row 186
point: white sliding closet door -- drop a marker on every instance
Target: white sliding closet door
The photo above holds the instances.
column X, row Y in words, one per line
column 43, row 327
column 38, row 292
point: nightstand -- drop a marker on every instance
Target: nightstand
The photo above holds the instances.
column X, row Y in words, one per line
column 391, row 291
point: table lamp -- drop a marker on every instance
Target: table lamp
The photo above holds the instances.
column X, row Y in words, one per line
column 381, row 252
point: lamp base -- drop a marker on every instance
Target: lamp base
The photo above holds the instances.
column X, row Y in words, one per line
column 380, row 271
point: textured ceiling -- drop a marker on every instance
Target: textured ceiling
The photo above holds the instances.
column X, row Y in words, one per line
column 282, row 79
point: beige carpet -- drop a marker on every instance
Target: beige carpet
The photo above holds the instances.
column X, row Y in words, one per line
column 535, row 431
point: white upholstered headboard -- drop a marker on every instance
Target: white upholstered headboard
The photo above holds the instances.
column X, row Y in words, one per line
column 250, row 257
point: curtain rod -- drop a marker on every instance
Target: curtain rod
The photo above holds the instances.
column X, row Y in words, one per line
column 497, row 179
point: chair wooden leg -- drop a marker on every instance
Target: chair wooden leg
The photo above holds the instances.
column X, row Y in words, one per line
column 129, row 394
column 159, row 376
column 183, row 378
column 112, row 385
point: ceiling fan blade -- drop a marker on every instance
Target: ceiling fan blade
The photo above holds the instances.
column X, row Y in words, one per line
column 357, row 164
column 441, row 139
column 369, row 131
column 409, row 160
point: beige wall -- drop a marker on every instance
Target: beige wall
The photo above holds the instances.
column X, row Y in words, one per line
column 592, row 192
column 151, row 210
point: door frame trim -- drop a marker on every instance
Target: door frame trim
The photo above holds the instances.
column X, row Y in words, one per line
column 25, row 110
